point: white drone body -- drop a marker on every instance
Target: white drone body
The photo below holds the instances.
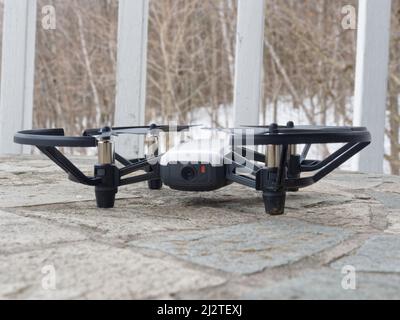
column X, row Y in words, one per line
column 197, row 165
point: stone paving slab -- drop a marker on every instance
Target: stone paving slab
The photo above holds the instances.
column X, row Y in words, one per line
column 213, row 245
column 390, row 200
column 326, row 284
column 393, row 222
column 134, row 217
column 378, row 254
column 93, row 271
column 359, row 181
column 22, row 234
column 29, row 182
column 248, row 248
column 358, row 215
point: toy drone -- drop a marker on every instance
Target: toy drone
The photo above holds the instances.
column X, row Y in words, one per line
column 190, row 167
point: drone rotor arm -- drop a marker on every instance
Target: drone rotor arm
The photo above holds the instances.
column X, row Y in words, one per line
column 73, row 172
column 138, row 130
column 327, row 165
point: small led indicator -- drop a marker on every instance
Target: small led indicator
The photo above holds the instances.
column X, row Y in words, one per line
column 203, row 169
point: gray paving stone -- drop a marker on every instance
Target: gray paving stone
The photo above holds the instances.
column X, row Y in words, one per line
column 7, row 218
column 92, row 271
column 217, row 245
column 22, row 234
column 379, row 254
column 316, row 197
column 393, row 218
column 358, row 215
column 389, row 199
column 354, row 180
column 43, row 192
column 134, row 217
column 249, row 248
column 327, row 284
column 39, row 164
column 390, row 184
column 38, row 181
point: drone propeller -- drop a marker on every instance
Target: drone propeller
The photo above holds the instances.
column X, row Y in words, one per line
column 237, row 130
column 107, row 132
column 289, row 129
column 256, row 130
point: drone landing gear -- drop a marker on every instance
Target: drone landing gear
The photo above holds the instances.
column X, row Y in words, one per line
column 274, row 202
column 272, row 185
column 152, row 149
column 294, row 168
column 274, row 193
column 154, row 184
column 271, row 179
column 105, row 191
column 105, row 198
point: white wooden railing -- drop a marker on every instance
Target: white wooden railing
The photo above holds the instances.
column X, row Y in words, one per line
column 371, row 79
column 17, row 77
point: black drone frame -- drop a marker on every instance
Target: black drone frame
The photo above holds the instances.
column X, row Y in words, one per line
column 280, row 171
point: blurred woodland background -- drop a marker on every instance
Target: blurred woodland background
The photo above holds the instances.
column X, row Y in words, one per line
column 309, row 64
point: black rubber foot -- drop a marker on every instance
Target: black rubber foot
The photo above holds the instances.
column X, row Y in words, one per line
column 274, row 202
column 105, row 199
column 297, row 176
column 294, row 170
column 155, row 184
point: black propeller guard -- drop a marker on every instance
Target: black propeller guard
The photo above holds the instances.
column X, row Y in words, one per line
column 274, row 179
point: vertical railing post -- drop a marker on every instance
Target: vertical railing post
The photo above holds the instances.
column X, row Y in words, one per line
column 17, row 72
column 371, row 79
column 249, row 62
column 131, row 70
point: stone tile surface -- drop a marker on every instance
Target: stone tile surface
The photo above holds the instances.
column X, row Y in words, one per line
column 248, row 248
column 378, row 254
column 327, row 284
column 93, row 271
column 23, row 234
column 213, row 245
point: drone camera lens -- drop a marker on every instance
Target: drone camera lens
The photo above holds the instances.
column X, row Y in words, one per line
column 188, row 173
